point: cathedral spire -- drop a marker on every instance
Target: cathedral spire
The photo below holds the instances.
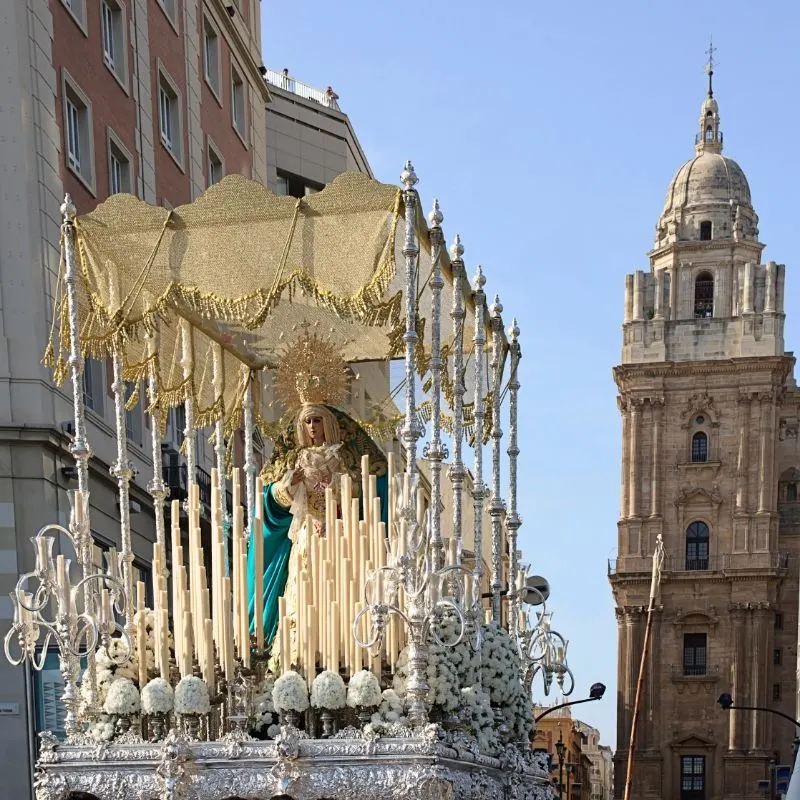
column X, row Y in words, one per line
column 709, row 138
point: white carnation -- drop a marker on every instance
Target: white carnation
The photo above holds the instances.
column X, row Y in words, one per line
column 363, row 690
column 122, row 698
column 328, row 691
column 157, row 697
column 191, row 696
column 289, row 692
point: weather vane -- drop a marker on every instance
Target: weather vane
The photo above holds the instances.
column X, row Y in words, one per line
column 710, row 65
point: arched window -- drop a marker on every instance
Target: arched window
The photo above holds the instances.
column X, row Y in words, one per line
column 709, row 134
column 704, row 296
column 705, row 230
column 697, row 546
column 699, row 448
column 791, row 492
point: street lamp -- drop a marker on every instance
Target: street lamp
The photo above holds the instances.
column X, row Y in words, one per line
column 560, row 751
column 596, row 692
column 725, row 701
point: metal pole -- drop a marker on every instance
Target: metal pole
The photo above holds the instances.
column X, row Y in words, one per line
column 478, row 489
column 411, row 432
column 435, row 450
column 187, row 363
column 158, row 491
column 249, row 460
column 457, row 471
column 513, row 522
column 496, row 505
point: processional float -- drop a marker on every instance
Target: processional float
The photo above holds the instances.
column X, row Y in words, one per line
column 329, row 637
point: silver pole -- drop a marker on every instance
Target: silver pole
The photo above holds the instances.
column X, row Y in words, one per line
column 436, row 450
column 219, row 438
column 496, row 505
column 188, row 407
column 80, row 449
column 411, row 430
column 123, row 472
column 457, row 471
column 156, row 487
column 513, row 522
column 478, row 489
column 249, row 460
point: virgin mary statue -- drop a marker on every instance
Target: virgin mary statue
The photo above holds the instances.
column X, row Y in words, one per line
column 320, row 445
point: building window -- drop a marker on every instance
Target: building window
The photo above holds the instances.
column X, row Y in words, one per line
column 216, row 169
column 112, row 18
column 238, row 104
column 93, row 385
column 694, row 654
column 779, row 622
column 693, row 777
column 133, row 416
column 78, row 134
column 705, row 230
column 211, row 56
column 699, row 448
column 119, row 168
column 791, row 492
column 170, row 8
column 776, row 656
column 77, row 10
column 295, row 186
column 697, row 546
column 169, row 116
column 704, row 296
column 776, row 691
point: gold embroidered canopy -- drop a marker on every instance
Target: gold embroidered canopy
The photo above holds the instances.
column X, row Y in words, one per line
column 209, row 292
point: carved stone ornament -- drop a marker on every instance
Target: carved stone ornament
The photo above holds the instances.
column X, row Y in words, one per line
column 430, row 765
column 700, row 404
column 788, row 428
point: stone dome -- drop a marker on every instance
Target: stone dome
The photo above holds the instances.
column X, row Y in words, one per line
column 708, row 197
column 708, row 178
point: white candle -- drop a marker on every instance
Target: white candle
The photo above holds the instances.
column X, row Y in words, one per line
column 163, row 645
column 141, row 647
column 208, row 657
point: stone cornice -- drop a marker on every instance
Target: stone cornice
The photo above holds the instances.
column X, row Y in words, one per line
column 705, row 246
column 779, row 366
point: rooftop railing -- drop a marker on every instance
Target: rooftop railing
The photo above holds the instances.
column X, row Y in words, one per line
column 325, row 97
column 717, row 563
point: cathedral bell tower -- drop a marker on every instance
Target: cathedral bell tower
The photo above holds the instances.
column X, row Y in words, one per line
column 707, row 396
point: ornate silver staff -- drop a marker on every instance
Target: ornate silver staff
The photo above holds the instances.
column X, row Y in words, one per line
column 513, row 521
column 497, row 508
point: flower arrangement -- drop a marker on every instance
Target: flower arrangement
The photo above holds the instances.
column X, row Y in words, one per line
column 363, row 690
column 478, row 707
column 102, row 731
column 290, row 693
column 122, row 698
column 389, row 713
column 328, row 691
column 157, row 697
column 265, row 718
column 191, row 696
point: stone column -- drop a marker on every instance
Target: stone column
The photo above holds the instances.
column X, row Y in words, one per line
column 633, row 462
column 769, row 301
column 628, row 310
column 765, row 466
column 638, row 295
column 748, row 288
column 759, row 653
column 673, row 292
column 658, row 311
column 657, row 406
column 736, row 737
column 743, row 458
column 622, row 404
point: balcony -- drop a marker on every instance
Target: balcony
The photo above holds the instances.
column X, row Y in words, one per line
column 290, row 84
column 680, row 566
column 694, row 672
column 175, row 477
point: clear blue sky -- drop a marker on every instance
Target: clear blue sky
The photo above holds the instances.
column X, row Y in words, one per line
column 549, row 133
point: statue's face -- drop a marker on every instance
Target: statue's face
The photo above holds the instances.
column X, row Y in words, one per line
column 315, row 429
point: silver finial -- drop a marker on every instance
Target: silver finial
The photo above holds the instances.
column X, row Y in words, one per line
column 513, row 331
column 408, row 177
column 479, row 281
column 456, row 249
column 68, row 209
column 496, row 308
column 435, row 217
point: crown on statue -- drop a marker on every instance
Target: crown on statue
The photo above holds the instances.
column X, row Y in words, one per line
column 311, row 371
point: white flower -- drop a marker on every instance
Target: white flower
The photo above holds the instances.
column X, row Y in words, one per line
column 122, row 698
column 289, row 692
column 191, row 696
column 273, row 731
column 157, row 697
column 328, row 691
column 363, row 691
column 118, row 650
column 102, row 731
